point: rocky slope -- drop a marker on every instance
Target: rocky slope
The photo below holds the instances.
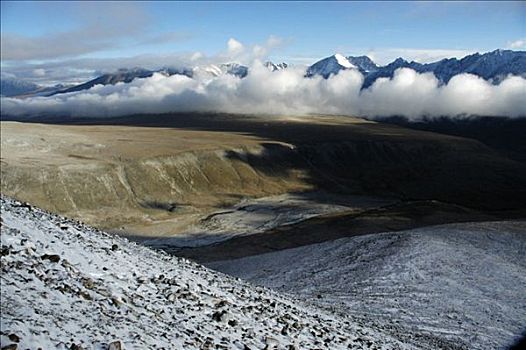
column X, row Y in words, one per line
column 65, row 285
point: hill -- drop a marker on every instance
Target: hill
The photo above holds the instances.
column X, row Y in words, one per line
column 461, row 283
column 66, row 285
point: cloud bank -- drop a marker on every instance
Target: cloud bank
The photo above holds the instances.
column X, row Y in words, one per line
column 287, row 92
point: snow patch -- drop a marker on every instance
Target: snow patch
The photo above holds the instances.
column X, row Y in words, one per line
column 342, row 61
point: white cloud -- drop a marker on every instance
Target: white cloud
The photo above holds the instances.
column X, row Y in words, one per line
column 517, row 44
column 78, row 70
column 99, row 26
column 408, row 93
column 272, row 43
column 234, row 47
column 196, row 56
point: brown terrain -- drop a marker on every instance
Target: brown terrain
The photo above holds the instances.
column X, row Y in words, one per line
column 158, row 176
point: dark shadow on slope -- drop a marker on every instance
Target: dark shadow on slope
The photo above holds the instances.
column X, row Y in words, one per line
column 394, row 217
column 520, row 344
column 506, row 135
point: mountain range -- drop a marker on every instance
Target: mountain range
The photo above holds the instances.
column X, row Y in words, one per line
column 493, row 66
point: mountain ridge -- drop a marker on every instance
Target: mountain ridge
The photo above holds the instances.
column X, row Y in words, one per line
column 492, row 66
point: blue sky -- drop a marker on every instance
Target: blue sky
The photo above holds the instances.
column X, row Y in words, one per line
column 39, row 33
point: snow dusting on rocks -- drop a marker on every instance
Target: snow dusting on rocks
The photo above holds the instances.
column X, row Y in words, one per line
column 65, row 285
column 442, row 286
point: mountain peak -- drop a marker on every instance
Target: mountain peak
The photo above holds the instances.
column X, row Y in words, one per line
column 329, row 66
column 363, row 63
column 399, row 60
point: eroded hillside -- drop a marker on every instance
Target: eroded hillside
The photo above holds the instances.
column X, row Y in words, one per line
column 161, row 175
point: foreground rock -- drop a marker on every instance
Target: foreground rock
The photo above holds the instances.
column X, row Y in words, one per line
column 96, row 291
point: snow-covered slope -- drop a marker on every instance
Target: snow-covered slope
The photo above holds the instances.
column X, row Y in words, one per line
column 463, row 283
column 68, row 286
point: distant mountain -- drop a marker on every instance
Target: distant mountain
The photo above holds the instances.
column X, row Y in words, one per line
column 493, row 66
column 47, row 90
column 363, row 63
column 169, row 71
column 12, row 87
column 235, row 69
column 275, row 66
column 388, row 70
column 124, row 75
column 121, row 76
column 216, row 70
column 329, row 66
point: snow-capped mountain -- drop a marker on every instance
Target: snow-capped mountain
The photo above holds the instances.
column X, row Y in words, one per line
column 169, row 71
column 329, row 65
column 335, row 63
column 275, row 66
column 125, row 75
column 493, row 66
column 65, row 285
column 213, row 70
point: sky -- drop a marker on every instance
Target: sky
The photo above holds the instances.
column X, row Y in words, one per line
column 56, row 41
